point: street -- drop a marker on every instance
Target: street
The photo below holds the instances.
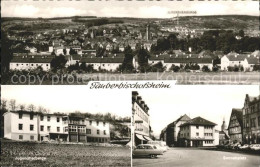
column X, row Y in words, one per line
column 197, row 157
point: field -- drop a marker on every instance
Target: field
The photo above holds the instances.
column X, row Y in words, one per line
column 42, row 154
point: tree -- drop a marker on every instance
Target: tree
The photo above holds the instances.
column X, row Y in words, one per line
column 241, row 33
column 128, row 60
column 12, row 104
column 205, row 69
column 31, row 107
column 58, row 62
column 143, row 56
column 72, row 52
column 3, row 104
column 22, row 106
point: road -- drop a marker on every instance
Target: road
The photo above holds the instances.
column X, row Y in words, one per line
column 199, row 158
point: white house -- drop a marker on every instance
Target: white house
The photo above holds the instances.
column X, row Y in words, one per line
column 28, row 62
column 198, row 132
column 97, row 131
column 103, row 63
column 34, row 126
column 250, row 62
column 232, row 60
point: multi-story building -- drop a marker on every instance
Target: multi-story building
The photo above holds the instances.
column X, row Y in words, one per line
column 35, row 126
column 172, row 130
column 251, row 120
column 29, row 62
column 97, row 131
column 198, row 132
column 141, row 121
column 235, row 126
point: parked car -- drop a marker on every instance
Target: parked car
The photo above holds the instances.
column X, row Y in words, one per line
column 244, row 147
column 160, row 144
column 147, row 150
column 254, row 146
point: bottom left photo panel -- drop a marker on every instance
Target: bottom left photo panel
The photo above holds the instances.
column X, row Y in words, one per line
column 64, row 126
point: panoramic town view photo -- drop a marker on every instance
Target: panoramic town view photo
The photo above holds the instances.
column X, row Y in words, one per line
column 54, row 42
column 196, row 126
column 64, row 127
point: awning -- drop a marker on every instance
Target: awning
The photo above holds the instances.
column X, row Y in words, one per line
column 139, row 137
column 148, row 138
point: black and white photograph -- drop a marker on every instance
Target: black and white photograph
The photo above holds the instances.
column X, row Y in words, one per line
column 74, row 42
column 196, row 126
column 64, row 126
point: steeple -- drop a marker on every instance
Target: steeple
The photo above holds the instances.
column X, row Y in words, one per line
column 223, row 126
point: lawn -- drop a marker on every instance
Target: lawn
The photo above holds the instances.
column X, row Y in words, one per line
column 62, row 155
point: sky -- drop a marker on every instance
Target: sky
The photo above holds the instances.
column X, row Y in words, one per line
column 211, row 102
column 70, row 98
column 113, row 8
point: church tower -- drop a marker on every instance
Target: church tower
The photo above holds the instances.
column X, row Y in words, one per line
column 224, row 126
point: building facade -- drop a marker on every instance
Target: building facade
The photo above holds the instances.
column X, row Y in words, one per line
column 141, row 120
column 251, row 120
column 24, row 125
column 198, row 132
column 35, row 126
column 235, row 126
column 172, row 130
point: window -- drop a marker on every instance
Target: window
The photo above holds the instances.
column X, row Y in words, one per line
column 66, row 129
column 82, row 129
column 98, row 132
column 72, row 128
column 48, row 128
column 31, row 127
column 31, row 116
column 58, row 129
column 31, row 64
column 104, row 123
column 105, row 133
column 20, row 115
column 48, row 118
column 253, row 122
column 197, row 127
column 20, row 126
column 88, row 131
column 17, row 64
column 20, row 137
column 42, row 117
column 197, row 134
column 32, row 137
column 97, row 123
column 90, row 122
column 42, row 128
column 58, row 119
column 47, row 64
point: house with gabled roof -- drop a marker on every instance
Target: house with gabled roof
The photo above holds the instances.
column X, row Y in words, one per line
column 235, row 126
column 198, row 132
column 30, row 61
column 172, row 130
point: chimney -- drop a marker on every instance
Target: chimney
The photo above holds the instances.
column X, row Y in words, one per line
column 236, row 55
column 156, row 55
column 190, row 49
column 248, row 55
column 170, row 55
column 32, row 56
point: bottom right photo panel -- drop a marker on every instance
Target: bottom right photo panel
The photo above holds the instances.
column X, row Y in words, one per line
column 207, row 125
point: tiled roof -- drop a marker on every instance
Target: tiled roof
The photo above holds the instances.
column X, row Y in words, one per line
column 31, row 60
column 253, row 60
column 239, row 115
column 199, row 121
column 102, row 60
column 189, row 60
column 236, row 57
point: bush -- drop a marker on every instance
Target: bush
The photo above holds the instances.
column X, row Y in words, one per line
column 205, row 69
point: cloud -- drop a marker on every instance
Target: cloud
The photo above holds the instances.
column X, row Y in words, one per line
column 64, row 12
column 20, row 10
